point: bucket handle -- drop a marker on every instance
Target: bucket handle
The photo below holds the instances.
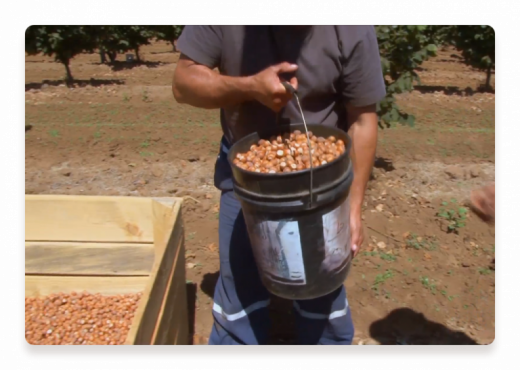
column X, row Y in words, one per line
column 290, row 88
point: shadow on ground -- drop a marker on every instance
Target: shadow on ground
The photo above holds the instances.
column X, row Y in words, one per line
column 384, row 163
column 453, row 90
column 407, row 327
column 75, row 83
column 164, row 52
column 122, row 66
column 191, row 292
column 402, row 326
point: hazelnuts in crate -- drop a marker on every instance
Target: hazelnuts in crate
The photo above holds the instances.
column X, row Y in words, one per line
column 79, row 318
column 290, row 153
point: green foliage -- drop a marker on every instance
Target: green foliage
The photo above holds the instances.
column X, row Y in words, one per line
column 441, row 35
column 428, row 283
column 62, row 42
column 402, row 50
column 477, row 44
column 167, row 33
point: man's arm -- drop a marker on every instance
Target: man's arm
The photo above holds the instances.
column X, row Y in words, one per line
column 364, row 87
column 363, row 132
column 196, row 83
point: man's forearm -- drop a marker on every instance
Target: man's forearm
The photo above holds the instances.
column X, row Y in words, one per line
column 363, row 132
column 202, row 87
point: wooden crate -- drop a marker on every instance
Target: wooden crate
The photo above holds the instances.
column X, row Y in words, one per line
column 112, row 245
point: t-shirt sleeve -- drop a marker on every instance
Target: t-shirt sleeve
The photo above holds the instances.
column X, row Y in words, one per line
column 202, row 44
column 363, row 82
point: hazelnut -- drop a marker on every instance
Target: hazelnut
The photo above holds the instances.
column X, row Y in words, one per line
column 283, row 153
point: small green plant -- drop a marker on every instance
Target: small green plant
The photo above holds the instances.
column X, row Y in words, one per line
column 370, row 254
column 191, row 236
column 144, row 96
column 97, row 134
column 428, row 283
column 484, row 271
column 381, row 278
column 145, row 154
column 387, row 257
column 450, row 297
column 54, row 133
column 456, row 217
column 418, row 242
column 145, row 144
column 126, row 97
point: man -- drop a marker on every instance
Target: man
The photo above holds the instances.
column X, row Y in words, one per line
column 337, row 72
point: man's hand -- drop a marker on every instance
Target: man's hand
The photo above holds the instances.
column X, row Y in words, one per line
column 267, row 87
column 356, row 232
column 483, row 203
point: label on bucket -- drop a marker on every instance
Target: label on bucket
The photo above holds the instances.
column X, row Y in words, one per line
column 278, row 250
column 336, row 237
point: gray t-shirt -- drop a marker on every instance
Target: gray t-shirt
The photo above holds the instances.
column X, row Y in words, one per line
column 336, row 65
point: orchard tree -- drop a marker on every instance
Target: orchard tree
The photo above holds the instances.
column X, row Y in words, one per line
column 477, row 44
column 167, row 33
column 120, row 39
column 108, row 42
column 402, row 49
column 441, row 36
column 62, row 42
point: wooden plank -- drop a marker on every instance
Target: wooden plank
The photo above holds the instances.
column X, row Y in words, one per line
column 161, row 223
column 74, row 258
column 173, row 326
column 147, row 314
column 44, row 285
column 88, row 218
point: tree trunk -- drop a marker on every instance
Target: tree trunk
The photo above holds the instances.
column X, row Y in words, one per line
column 112, row 55
column 488, row 79
column 69, row 74
column 137, row 57
column 102, row 55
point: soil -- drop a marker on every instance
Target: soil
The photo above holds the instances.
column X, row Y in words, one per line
column 118, row 131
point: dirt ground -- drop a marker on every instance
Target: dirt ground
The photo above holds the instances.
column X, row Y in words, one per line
column 118, row 131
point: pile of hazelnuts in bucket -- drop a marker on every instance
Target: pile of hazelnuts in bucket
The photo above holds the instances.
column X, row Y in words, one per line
column 290, row 153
